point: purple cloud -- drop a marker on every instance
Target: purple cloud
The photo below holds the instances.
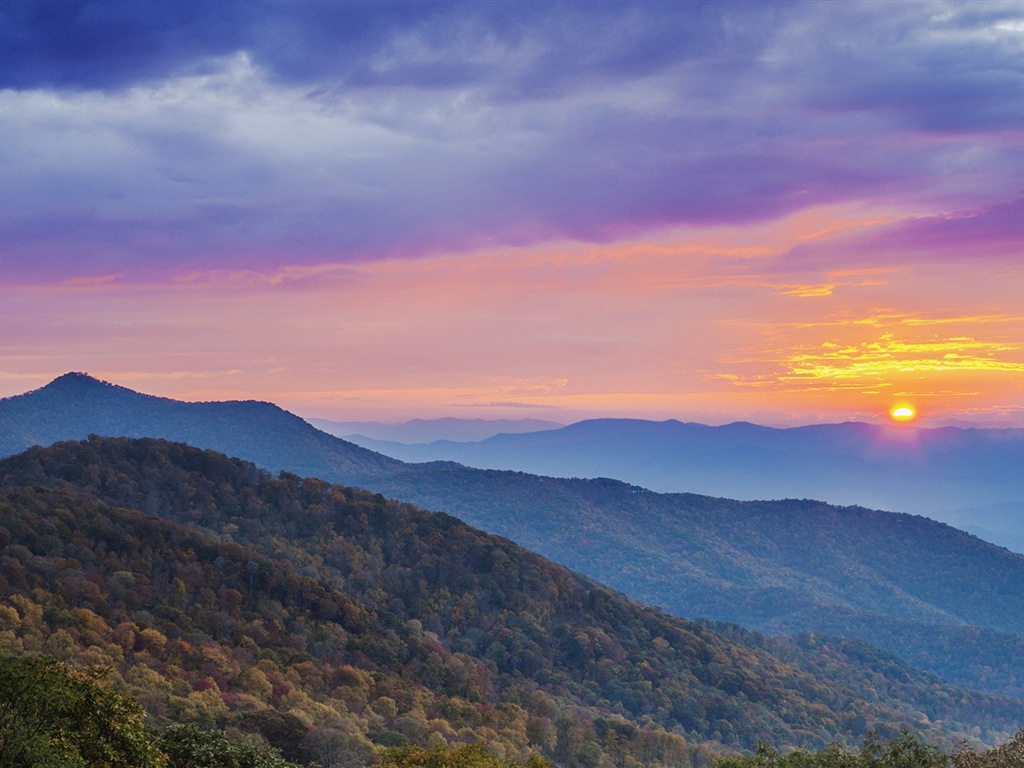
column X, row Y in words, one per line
column 177, row 135
column 86, row 44
column 991, row 234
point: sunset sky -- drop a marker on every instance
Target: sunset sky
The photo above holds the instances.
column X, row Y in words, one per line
column 786, row 212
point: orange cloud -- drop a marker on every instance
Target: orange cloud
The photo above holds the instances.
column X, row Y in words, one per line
column 675, row 325
column 874, row 365
column 825, row 289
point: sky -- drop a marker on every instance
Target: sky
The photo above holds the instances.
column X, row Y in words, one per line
column 781, row 212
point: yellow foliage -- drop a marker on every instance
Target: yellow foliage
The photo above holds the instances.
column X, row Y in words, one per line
column 254, row 682
column 9, row 618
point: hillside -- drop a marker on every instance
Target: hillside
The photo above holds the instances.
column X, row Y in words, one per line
column 223, row 595
column 941, row 473
column 76, row 405
column 943, row 599
column 937, row 597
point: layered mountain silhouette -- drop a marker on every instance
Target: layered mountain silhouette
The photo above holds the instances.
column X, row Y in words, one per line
column 934, row 595
column 429, row 430
column 968, row 477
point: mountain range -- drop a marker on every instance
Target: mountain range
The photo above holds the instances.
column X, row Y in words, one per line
column 935, row 596
column 429, row 430
column 331, row 621
column 967, row 477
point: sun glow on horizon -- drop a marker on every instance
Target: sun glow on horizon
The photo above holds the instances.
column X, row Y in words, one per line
column 903, row 413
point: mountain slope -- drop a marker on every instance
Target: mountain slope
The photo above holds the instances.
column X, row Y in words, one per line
column 904, row 583
column 899, row 468
column 937, row 597
column 76, row 405
column 232, row 568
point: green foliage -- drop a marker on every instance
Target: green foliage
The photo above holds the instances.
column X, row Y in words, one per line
column 902, row 751
column 1008, row 755
column 463, row 756
column 187, row 746
column 54, row 717
column 284, row 732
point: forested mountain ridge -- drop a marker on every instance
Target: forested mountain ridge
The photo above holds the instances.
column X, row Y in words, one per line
column 937, row 597
column 898, row 467
column 932, row 594
column 223, row 595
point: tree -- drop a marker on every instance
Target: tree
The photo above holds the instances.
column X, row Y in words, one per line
column 1009, row 755
column 188, row 746
column 52, row 716
column 283, row 731
column 902, row 751
column 463, row 756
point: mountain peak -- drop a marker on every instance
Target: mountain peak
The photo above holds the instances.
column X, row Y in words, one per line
column 71, row 382
column 76, row 379
column 76, row 383
column 76, row 405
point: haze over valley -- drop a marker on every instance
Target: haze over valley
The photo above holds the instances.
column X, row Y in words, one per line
column 964, row 476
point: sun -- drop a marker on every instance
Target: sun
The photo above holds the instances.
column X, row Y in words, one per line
column 902, row 413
